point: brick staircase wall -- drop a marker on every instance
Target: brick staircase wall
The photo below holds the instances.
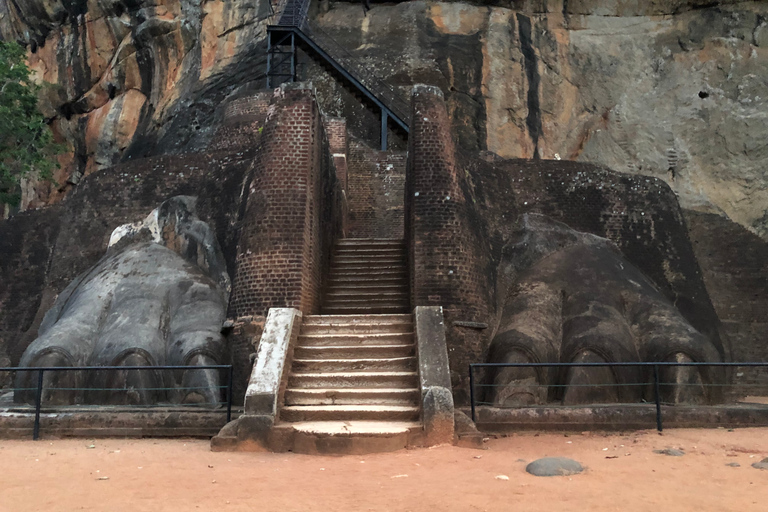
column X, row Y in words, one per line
column 293, row 211
column 376, row 181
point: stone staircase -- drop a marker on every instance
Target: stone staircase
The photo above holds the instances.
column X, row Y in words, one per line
column 354, row 382
column 368, row 276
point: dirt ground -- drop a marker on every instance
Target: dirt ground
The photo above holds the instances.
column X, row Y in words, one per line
column 622, row 474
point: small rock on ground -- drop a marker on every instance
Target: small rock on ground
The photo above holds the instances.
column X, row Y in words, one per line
column 763, row 464
column 734, row 464
column 554, row 466
column 670, row 451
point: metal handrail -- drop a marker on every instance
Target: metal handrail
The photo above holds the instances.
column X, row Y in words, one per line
column 293, row 14
column 654, row 365
column 42, row 369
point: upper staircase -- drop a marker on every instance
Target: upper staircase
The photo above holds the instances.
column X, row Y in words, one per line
column 354, row 383
column 290, row 30
column 368, row 276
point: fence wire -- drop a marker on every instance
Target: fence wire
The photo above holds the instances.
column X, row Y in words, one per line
column 651, row 384
column 68, row 398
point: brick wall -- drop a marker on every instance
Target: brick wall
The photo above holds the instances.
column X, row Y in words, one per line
column 336, row 131
column 448, row 250
column 291, row 217
column 375, row 192
column 243, row 123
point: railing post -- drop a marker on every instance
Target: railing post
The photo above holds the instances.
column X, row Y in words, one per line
column 38, row 401
column 657, row 396
column 229, row 394
column 293, row 57
column 269, row 59
column 384, row 117
column 472, row 392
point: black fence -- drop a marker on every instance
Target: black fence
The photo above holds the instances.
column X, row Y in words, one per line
column 41, row 372
column 651, row 381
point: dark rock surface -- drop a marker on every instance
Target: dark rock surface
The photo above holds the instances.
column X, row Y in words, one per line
column 158, row 297
column 575, row 298
column 763, row 464
column 554, row 466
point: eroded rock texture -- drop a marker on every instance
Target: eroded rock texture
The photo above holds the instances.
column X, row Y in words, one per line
column 665, row 89
column 671, row 89
column 123, row 72
column 575, row 298
column 158, row 297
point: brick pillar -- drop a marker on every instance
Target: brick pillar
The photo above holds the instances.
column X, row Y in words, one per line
column 442, row 242
column 278, row 238
column 448, row 248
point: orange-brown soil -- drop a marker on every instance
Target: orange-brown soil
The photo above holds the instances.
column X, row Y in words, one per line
column 622, row 474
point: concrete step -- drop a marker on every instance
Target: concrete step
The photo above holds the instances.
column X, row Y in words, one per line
column 396, row 364
column 349, row 412
column 353, row 351
column 362, row 310
column 334, row 339
column 353, row 380
column 352, row 396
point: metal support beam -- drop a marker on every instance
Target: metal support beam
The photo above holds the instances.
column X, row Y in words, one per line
column 269, row 60
column 293, row 57
column 384, row 117
column 308, row 44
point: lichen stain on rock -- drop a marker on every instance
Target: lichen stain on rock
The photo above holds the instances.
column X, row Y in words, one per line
column 455, row 18
column 504, row 87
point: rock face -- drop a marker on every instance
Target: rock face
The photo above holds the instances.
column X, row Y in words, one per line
column 669, row 89
column 158, row 297
column 122, row 72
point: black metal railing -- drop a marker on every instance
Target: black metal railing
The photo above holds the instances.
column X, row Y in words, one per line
column 387, row 94
column 293, row 14
column 42, row 371
column 651, row 380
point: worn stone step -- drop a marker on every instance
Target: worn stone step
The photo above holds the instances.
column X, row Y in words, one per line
column 397, row 364
column 374, row 310
column 353, row 380
column 351, row 250
column 353, row 351
column 369, row 242
column 357, row 319
column 349, row 437
column 367, row 266
column 352, row 396
column 369, row 255
column 367, row 287
column 355, row 299
column 369, row 273
column 358, row 294
column 349, row 412
column 324, row 339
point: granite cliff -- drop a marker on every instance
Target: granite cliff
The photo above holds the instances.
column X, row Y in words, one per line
column 672, row 89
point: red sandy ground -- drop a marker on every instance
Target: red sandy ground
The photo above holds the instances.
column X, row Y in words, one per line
column 623, row 474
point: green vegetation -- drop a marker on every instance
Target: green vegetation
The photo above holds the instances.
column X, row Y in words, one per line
column 26, row 142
